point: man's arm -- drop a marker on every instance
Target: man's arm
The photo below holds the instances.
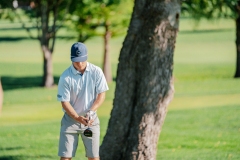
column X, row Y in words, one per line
column 72, row 113
column 98, row 102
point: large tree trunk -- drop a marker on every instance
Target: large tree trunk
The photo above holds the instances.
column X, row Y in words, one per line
column 106, row 61
column 143, row 85
column 237, row 73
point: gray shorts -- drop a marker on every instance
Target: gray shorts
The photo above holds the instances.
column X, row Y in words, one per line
column 69, row 136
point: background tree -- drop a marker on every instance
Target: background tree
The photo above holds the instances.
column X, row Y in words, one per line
column 83, row 19
column 115, row 19
column 6, row 10
column 215, row 9
column 1, row 96
column 47, row 17
column 106, row 18
column 144, row 84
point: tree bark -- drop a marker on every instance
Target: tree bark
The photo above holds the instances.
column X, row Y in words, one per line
column 144, row 86
column 237, row 73
column 48, row 80
column 106, row 61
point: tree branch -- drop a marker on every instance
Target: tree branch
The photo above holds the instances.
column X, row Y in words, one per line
column 53, row 32
column 23, row 24
column 65, row 15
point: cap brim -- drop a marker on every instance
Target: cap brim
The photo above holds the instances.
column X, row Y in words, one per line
column 79, row 59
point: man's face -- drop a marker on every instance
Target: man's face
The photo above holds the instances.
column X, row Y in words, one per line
column 80, row 65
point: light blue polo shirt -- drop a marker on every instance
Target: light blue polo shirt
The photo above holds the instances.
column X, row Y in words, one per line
column 81, row 90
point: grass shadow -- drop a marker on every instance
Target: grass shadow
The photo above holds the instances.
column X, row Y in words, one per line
column 204, row 31
column 25, row 157
column 11, row 148
column 9, row 82
column 15, row 28
column 13, row 39
column 11, row 158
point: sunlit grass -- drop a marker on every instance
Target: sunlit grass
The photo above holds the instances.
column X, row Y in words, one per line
column 201, row 133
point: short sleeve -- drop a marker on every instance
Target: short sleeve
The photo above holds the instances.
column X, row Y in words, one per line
column 101, row 83
column 63, row 90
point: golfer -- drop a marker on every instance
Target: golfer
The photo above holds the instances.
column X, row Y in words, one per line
column 81, row 91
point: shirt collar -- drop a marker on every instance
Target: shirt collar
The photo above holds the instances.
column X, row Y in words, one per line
column 87, row 68
column 74, row 71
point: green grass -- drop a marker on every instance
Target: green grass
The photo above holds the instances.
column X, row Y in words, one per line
column 202, row 121
column 202, row 133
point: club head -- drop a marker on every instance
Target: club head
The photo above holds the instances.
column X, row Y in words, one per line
column 87, row 132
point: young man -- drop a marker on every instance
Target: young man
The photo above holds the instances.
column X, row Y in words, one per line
column 81, row 91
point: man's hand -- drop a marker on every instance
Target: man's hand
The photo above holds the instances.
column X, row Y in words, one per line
column 82, row 120
column 90, row 115
column 72, row 113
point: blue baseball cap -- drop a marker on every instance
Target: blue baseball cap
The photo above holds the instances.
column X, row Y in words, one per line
column 79, row 52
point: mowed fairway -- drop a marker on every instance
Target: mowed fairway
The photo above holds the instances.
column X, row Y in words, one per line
column 202, row 123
